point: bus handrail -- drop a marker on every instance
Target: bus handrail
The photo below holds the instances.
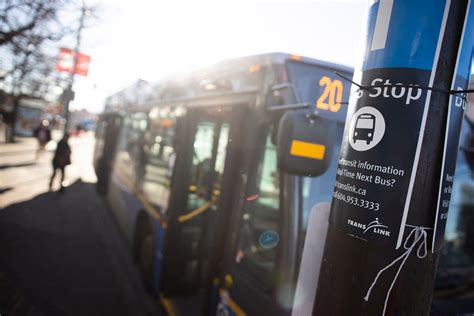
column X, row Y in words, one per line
column 188, row 216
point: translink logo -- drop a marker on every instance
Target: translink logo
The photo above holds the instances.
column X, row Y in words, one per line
column 375, row 227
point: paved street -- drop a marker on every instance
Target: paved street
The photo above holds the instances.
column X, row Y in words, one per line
column 61, row 253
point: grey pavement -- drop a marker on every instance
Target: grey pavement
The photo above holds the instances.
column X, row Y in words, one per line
column 62, row 253
column 24, row 174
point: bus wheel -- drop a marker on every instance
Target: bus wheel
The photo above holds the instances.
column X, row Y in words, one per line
column 143, row 252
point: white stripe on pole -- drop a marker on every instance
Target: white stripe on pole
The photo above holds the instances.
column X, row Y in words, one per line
column 381, row 24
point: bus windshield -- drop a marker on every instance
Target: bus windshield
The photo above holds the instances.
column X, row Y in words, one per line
column 232, row 80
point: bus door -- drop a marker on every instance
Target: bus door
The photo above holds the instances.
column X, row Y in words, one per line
column 106, row 142
column 198, row 185
column 247, row 286
column 260, row 272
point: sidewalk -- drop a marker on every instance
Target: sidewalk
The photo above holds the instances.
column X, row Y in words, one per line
column 62, row 251
column 23, row 175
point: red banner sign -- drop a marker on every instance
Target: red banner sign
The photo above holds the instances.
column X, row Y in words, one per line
column 65, row 62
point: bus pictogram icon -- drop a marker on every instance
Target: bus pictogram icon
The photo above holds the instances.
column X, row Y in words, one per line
column 367, row 128
column 364, row 128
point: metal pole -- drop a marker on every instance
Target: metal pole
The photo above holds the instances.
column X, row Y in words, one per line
column 69, row 90
column 397, row 160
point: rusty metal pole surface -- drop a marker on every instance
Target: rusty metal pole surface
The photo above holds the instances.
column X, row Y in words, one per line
column 397, row 160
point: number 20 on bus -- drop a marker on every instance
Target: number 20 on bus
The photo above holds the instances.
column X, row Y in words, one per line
column 331, row 97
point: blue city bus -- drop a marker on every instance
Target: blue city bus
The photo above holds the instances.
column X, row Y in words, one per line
column 190, row 172
column 216, row 217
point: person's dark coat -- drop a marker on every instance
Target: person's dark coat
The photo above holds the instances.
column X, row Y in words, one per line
column 46, row 136
column 62, row 156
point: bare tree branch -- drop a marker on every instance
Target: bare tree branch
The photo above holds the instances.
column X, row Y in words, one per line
column 20, row 16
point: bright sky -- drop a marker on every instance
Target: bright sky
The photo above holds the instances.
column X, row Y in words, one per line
column 153, row 39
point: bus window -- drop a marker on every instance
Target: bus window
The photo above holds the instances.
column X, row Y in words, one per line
column 158, row 159
column 201, row 167
column 129, row 147
column 101, row 128
column 221, row 149
column 123, row 159
column 100, row 141
column 206, row 173
column 197, row 231
column 257, row 252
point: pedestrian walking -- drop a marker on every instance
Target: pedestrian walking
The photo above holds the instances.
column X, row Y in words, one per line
column 43, row 135
column 62, row 158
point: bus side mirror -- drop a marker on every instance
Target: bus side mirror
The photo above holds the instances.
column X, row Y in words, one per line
column 305, row 143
